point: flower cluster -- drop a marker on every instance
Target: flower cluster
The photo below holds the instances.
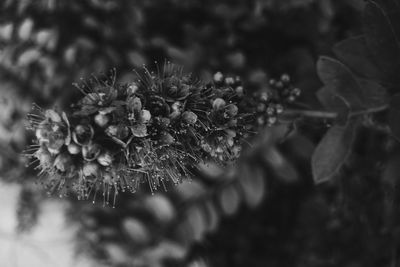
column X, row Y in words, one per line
column 270, row 104
column 154, row 130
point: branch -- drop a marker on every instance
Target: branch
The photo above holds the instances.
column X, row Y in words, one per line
column 331, row 115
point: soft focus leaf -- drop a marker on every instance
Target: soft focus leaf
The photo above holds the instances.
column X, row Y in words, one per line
column 332, row 101
column 229, row 200
column 252, row 180
column 332, row 152
column 136, row 230
column 354, row 53
column 383, row 35
column 213, row 216
column 360, row 94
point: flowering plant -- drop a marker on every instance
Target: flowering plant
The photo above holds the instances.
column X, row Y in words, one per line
column 155, row 130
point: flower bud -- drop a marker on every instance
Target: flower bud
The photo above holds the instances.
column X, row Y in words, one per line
column 279, row 85
column 56, row 141
column 145, row 116
column 63, row 162
column 296, row 91
column 105, row 159
column 229, row 81
column 82, row 134
column 107, row 178
column 90, row 169
column 74, row 149
column 231, row 111
column 189, row 117
column 52, row 115
column 279, row 108
column 264, row 96
column 91, row 152
column 285, row 78
column 272, row 120
column 132, row 88
column 101, row 120
column 44, row 157
column 271, row 110
column 218, row 77
column 119, row 131
column 239, row 90
column 218, row 103
column 167, row 138
column 261, row 107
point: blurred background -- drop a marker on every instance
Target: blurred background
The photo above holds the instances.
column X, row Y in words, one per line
column 263, row 212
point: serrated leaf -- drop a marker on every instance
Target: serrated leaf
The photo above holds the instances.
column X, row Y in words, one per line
column 139, row 130
column 383, row 35
column 359, row 94
column 354, row 53
column 394, row 116
column 332, row 152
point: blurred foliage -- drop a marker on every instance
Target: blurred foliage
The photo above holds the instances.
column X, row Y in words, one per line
column 265, row 211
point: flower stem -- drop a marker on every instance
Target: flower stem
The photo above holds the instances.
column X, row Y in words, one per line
column 331, row 115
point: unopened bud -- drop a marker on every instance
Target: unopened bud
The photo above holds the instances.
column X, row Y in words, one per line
column 218, row 77
column 82, row 134
column 145, row 116
column 279, row 109
column 63, row 162
column 189, row 117
column 101, row 120
column 132, row 88
column 90, row 169
column 167, row 138
column 218, row 103
column 91, row 152
column 231, row 110
column 239, row 90
column 74, row 149
column 229, row 81
column 285, row 78
column 105, row 159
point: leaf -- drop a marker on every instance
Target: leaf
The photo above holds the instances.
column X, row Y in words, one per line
column 213, row 216
column 229, row 200
column 394, row 116
column 332, row 152
column 360, row 94
column 197, row 222
column 253, row 185
column 136, row 230
column 330, row 100
column 354, row 53
column 382, row 32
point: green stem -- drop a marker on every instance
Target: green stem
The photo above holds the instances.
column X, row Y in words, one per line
column 331, row 115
